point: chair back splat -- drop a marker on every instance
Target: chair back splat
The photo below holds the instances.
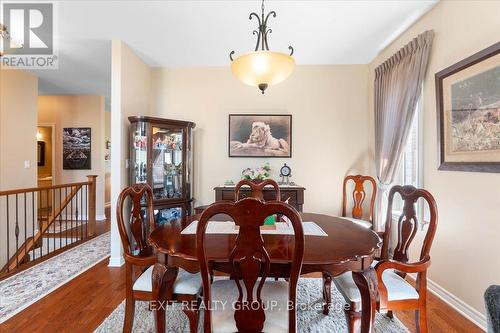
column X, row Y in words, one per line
column 139, row 231
column 359, row 196
column 408, row 224
column 256, row 189
column 249, row 260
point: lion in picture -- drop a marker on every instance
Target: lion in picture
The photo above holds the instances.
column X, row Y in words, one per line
column 251, row 136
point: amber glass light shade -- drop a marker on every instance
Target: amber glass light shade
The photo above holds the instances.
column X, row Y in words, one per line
column 263, row 68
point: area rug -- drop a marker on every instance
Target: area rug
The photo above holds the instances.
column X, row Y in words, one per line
column 25, row 288
column 310, row 318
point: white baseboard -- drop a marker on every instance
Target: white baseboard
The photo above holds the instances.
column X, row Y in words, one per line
column 100, row 217
column 116, row 262
column 457, row 304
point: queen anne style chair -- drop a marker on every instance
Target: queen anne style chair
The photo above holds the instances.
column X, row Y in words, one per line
column 257, row 189
column 358, row 197
column 140, row 258
column 249, row 291
column 395, row 293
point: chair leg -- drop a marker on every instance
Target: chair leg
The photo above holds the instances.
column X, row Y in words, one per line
column 327, row 292
column 353, row 319
column 389, row 314
column 421, row 319
column 193, row 317
column 129, row 315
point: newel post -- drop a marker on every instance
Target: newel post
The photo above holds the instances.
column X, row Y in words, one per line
column 91, row 202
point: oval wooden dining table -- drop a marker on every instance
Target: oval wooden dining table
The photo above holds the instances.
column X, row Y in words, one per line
column 348, row 247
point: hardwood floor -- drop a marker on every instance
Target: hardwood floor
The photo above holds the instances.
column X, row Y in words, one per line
column 83, row 303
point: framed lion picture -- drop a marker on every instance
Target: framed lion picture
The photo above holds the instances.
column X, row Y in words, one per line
column 260, row 135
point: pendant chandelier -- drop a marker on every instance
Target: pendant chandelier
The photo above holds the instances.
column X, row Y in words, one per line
column 4, row 36
column 262, row 67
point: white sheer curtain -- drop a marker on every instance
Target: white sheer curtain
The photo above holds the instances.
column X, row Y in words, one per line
column 397, row 90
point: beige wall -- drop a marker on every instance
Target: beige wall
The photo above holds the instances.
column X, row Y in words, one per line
column 329, row 105
column 77, row 111
column 18, row 98
column 130, row 95
column 465, row 252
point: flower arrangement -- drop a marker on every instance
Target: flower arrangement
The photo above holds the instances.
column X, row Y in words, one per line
column 260, row 173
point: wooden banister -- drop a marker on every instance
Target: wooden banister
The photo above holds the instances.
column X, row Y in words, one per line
column 43, row 188
column 91, row 199
column 78, row 199
column 28, row 245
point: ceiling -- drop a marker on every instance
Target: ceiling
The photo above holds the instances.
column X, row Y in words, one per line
column 202, row 33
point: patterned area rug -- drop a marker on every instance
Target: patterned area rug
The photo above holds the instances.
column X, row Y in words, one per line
column 25, row 288
column 310, row 319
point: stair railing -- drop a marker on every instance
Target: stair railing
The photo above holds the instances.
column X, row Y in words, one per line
column 40, row 222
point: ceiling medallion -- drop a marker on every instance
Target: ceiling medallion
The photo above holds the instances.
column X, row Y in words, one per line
column 262, row 68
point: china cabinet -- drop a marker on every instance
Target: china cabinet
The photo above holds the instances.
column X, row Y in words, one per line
column 161, row 155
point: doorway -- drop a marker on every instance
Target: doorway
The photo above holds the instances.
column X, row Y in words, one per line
column 45, row 160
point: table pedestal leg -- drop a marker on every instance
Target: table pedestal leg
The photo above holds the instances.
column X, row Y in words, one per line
column 327, row 292
column 163, row 279
column 367, row 284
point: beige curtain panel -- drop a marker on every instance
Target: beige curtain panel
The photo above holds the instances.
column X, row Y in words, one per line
column 398, row 84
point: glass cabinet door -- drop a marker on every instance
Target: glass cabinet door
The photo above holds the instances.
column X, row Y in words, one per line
column 139, row 152
column 167, row 162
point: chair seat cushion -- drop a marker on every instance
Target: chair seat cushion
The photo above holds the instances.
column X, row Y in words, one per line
column 362, row 223
column 226, row 292
column 186, row 283
column 397, row 287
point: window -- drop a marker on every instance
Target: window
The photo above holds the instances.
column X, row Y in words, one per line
column 410, row 168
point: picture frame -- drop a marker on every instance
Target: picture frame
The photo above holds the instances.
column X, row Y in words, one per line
column 260, row 135
column 468, row 113
column 40, row 153
column 77, row 148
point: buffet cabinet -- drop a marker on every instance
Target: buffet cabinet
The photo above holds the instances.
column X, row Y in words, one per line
column 294, row 195
column 161, row 155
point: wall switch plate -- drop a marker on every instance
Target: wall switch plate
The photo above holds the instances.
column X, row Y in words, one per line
column 27, row 164
column 127, row 163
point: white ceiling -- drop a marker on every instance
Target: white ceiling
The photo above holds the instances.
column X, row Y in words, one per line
column 202, row 33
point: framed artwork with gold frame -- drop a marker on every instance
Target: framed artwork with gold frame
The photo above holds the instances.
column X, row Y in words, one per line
column 468, row 110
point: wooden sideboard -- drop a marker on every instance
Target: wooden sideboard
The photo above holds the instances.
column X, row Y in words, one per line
column 294, row 194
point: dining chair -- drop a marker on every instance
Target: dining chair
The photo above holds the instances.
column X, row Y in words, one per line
column 395, row 292
column 253, row 303
column 257, row 189
column 140, row 257
column 359, row 195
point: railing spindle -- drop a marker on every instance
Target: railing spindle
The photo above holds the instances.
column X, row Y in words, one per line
column 54, row 215
column 8, row 233
column 66, row 219
column 86, row 212
column 25, row 235
column 48, row 219
column 60, row 220
column 39, row 215
column 16, row 231
column 33, row 224
column 71, row 216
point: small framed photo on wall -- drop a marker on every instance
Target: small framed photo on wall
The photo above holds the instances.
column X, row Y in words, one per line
column 260, row 135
